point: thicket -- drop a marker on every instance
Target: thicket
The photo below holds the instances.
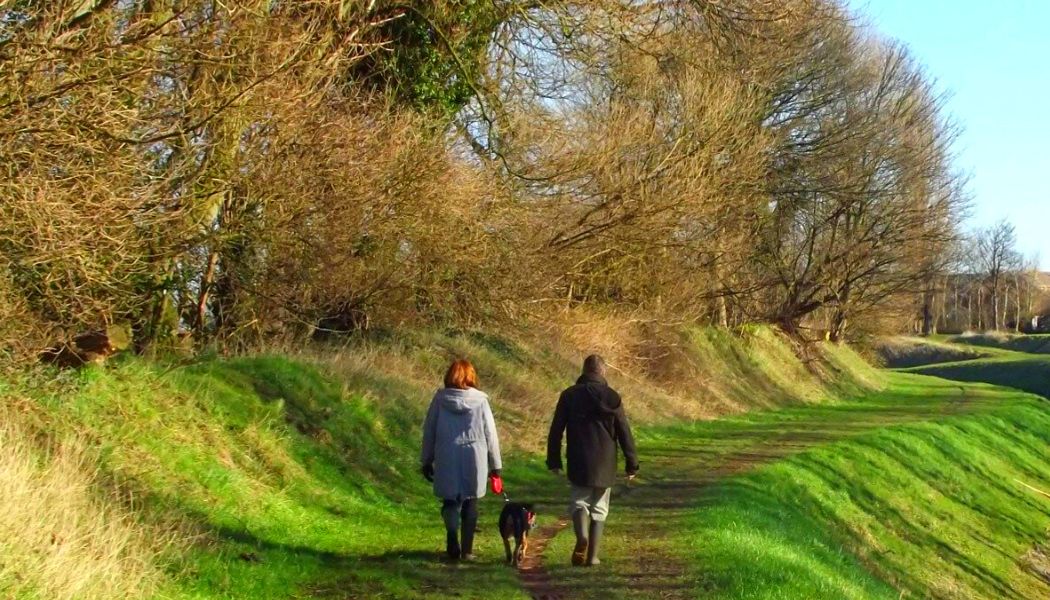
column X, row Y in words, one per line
column 242, row 170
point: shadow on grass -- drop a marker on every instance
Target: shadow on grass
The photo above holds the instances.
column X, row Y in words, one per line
column 1030, row 375
column 1027, row 344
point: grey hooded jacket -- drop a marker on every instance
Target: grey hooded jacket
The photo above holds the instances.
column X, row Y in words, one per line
column 459, row 439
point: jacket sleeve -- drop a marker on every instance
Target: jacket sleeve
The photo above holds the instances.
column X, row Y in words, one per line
column 492, row 439
column 430, row 434
column 561, row 418
column 626, row 440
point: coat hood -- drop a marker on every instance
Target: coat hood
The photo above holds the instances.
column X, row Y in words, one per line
column 460, row 401
column 596, row 387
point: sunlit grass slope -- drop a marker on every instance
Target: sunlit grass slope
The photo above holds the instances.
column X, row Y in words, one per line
column 297, row 477
column 929, row 509
column 285, row 480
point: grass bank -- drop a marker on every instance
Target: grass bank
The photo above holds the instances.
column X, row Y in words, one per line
column 295, row 476
column 1024, row 372
column 1027, row 344
column 907, row 491
column 905, row 352
column 1017, row 361
column 278, row 476
column 932, row 509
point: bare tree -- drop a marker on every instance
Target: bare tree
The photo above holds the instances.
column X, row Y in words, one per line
column 248, row 169
column 998, row 257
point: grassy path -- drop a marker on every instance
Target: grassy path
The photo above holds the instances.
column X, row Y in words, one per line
column 294, row 482
column 647, row 542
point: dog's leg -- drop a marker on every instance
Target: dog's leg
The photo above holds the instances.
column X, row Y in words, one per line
column 506, row 546
column 524, row 544
column 519, row 552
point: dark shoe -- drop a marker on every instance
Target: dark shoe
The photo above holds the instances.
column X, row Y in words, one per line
column 597, row 528
column 579, row 526
column 452, row 550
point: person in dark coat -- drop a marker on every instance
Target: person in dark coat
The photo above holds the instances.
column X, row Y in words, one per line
column 591, row 416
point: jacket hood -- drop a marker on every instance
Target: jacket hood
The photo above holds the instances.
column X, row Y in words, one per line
column 596, row 387
column 460, row 401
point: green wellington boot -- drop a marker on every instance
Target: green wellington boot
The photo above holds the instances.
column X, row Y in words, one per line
column 579, row 525
column 597, row 528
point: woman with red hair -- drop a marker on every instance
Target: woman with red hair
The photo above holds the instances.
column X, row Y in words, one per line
column 460, row 449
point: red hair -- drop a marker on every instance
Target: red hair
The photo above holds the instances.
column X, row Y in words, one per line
column 461, row 375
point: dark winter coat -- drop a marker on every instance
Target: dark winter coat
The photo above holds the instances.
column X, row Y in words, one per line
column 591, row 415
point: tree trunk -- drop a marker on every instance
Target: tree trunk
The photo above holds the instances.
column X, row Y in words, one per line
column 995, row 303
column 722, row 311
column 980, row 308
column 969, row 311
column 1017, row 297
column 721, row 306
column 207, row 281
column 927, row 314
column 839, row 323
column 1005, row 320
column 955, row 315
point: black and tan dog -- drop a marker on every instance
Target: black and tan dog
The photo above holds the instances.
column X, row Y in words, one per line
column 515, row 521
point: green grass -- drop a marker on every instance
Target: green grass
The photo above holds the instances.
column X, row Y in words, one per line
column 930, row 509
column 297, row 480
column 1030, row 373
column 1017, row 361
column 908, row 490
column 906, row 352
column 293, row 484
column 293, row 480
column 1028, row 344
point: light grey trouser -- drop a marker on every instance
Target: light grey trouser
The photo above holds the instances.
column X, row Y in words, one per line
column 594, row 500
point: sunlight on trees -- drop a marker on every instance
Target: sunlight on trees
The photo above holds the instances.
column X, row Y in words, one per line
column 246, row 170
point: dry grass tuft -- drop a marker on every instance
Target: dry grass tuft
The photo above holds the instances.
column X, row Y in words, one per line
column 607, row 334
column 62, row 538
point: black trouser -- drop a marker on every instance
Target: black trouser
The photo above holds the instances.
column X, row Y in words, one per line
column 456, row 513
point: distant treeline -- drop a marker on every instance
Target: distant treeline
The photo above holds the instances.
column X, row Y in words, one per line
column 239, row 170
column 992, row 287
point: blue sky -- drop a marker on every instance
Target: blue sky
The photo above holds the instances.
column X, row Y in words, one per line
column 993, row 58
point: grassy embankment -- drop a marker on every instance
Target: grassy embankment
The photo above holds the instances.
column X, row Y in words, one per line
column 933, row 508
column 1018, row 361
column 903, row 352
column 936, row 508
column 275, row 477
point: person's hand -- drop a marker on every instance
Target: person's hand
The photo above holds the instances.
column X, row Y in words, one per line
column 428, row 472
column 494, row 473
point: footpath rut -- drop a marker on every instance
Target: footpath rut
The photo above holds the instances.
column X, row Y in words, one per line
column 641, row 560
